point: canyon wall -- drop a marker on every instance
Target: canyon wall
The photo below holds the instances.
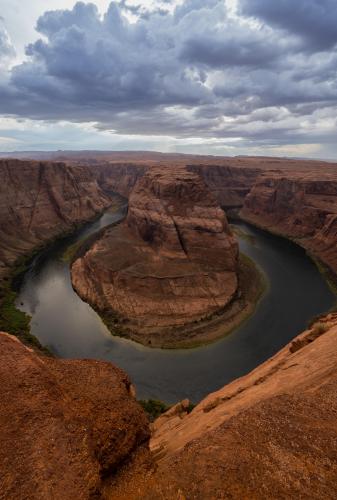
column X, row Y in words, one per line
column 180, row 265
column 229, row 179
column 120, row 177
column 230, row 185
column 41, row 200
column 303, row 208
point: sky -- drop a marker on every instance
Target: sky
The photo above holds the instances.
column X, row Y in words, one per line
column 224, row 77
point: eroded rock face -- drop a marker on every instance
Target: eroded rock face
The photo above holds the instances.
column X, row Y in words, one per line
column 269, row 434
column 119, row 177
column 171, row 263
column 39, row 201
column 303, row 208
column 65, row 426
column 229, row 184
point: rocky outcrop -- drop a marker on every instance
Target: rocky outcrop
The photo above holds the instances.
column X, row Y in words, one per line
column 41, row 200
column 269, row 434
column 66, row 427
column 302, row 208
column 172, row 263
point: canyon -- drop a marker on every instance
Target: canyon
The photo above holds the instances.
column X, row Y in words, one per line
column 181, row 266
column 293, row 198
column 75, row 426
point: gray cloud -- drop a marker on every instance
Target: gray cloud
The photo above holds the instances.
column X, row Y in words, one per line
column 315, row 20
column 7, row 50
column 197, row 72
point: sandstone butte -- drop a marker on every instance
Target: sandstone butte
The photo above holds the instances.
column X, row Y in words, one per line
column 40, row 201
column 170, row 264
column 72, row 429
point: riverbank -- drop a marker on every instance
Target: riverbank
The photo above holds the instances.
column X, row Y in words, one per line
column 12, row 319
column 329, row 274
column 252, row 285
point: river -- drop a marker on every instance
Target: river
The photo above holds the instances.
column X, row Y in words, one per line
column 71, row 329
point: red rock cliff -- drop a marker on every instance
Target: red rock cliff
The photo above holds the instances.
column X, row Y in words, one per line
column 171, row 263
column 303, row 208
column 41, row 200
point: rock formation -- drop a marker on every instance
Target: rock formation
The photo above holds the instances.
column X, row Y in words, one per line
column 269, row 434
column 119, row 177
column 171, row 263
column 65, row 426
column 229, row 184
column 303, row 208
column 41, row 200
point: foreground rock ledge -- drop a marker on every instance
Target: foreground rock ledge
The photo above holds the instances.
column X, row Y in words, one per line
column 170, row 264
column 65, row 426
column 71, row 429
column 271, row 434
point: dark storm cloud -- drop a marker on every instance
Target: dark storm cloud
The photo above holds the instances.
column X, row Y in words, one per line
column 217, row 51
column 198, row 72
column 315, row 20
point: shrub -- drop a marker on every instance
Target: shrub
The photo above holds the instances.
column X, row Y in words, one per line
column 154, row 408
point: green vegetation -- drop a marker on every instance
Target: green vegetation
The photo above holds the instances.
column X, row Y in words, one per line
column 111, row 321
column 319, row 328
column 243, row 235
column 14, row 321
column 11, row 319
column 190, row 407
column 154, row 408
column 330, row 277
column 69, row 254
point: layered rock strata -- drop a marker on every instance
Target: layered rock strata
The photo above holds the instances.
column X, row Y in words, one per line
column 303, row 208
column 41, row 200
column 229, row 184
column 171, row 263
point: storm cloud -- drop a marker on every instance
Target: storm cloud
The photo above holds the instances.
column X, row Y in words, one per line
column 265, row 74
column 315, row 20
